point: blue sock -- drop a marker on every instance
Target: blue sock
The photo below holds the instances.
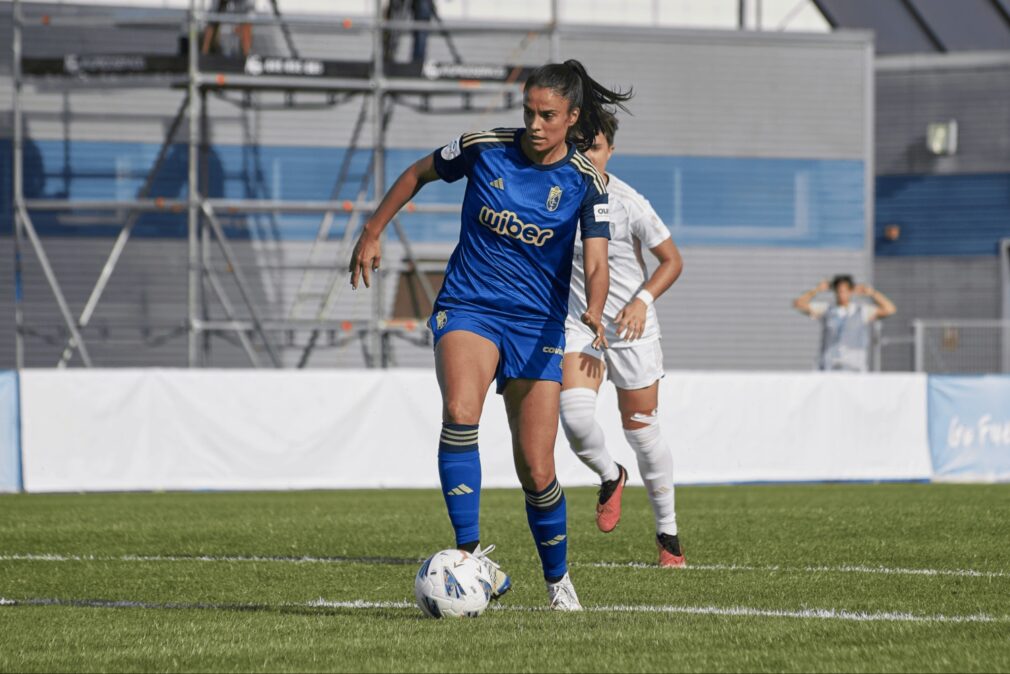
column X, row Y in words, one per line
column 548, row 518
column 459, row 472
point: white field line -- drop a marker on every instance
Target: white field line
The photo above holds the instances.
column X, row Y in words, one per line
column 730, row 611
column 47, row 557
column 844, row 568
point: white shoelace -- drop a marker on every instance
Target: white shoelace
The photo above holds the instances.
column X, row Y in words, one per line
column 482, row 555
column 563, row 594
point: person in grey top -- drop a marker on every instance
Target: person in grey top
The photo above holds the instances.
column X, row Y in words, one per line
column 845, row 325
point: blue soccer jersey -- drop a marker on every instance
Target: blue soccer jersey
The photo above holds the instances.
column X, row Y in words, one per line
column 519, row 220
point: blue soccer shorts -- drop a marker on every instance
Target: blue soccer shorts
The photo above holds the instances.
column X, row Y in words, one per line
column 526, row 350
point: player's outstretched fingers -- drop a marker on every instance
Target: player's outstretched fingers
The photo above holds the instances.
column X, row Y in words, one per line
column 364, row 260
column 601, row 339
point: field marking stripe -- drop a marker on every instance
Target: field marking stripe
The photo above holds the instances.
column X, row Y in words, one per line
column 817, row 614
column 729, row 611
column 844, row 568
column 47, row 557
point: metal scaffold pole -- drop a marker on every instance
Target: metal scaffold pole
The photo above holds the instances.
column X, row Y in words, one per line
column 377, row 357
column 193, row 203
column 19, row 348
column 22, row 220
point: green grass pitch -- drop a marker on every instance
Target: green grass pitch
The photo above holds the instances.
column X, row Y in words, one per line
column 893, row 577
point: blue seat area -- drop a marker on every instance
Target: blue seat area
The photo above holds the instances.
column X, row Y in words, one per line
column 736, row 201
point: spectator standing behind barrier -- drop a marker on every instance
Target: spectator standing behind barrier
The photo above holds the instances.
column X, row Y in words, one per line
column 845, row 325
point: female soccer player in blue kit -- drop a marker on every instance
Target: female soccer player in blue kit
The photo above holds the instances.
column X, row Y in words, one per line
column 500, row 314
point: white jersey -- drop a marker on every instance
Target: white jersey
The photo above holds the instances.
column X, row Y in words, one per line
column 634, row 225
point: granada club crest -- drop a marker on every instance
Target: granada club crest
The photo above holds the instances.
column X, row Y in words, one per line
column 440, row 319
column 554, row 198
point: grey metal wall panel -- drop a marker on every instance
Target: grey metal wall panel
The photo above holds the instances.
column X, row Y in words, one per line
column 711, row 93
column 7, row 356
column 733, row 96
column 934, row 287
column 732, row 308
column 974, row 90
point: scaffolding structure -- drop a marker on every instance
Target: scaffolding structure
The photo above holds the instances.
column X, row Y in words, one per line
column 378, row 82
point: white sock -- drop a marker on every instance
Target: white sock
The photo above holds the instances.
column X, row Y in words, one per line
column 578, row 419
column 655, row 461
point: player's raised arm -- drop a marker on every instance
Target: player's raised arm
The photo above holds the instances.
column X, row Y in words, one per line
column 885, row 307
column 594, row 251
column 631, row 319
column 802, row 303
column 367, row 253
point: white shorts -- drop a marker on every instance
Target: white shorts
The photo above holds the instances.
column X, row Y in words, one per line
column 629, row 367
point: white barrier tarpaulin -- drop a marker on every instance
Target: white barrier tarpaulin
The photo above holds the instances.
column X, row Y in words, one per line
column 241, row 429
column 737, row 427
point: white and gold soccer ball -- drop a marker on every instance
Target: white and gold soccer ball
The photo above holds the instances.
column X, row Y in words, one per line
column 452, row 584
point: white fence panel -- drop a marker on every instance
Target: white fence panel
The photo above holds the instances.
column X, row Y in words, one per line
column 90, row 430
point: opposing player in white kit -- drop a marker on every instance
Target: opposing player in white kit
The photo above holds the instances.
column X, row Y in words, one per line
column 634, row 361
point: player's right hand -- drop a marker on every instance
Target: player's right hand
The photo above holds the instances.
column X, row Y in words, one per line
column 824, row 286
column 595, row 324
column 365, row 259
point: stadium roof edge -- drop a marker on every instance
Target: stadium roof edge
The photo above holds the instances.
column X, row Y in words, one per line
column 949, row 60
column 857, row 37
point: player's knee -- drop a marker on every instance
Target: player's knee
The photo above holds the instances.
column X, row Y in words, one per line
column 578, row 413
column 460, row 412
column 539, row 478
column 633, row 420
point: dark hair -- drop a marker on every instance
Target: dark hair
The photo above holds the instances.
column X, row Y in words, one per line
column 571, row 81
column 840, row 279
column 608, row 126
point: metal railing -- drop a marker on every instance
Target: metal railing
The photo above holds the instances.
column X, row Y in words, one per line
column 961, row 346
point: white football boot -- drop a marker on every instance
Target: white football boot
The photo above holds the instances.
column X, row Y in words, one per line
column 562, row 595
column 499, row 580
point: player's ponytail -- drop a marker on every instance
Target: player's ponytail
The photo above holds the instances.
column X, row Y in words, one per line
column 570, row 80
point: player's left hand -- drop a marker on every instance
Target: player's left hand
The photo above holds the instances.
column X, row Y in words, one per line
column 863, row 289
column 366, row 258
column 595, row 324
column 630, row 321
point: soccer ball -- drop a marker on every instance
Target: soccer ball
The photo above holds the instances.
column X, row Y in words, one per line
column 452, row 584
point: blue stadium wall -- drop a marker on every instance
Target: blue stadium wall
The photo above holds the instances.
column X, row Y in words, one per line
column 739, row 201
column 949, row 215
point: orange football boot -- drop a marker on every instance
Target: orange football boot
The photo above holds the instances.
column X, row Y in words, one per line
column 670, row 554
column 608, row 509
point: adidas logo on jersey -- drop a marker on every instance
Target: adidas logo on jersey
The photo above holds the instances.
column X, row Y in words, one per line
column 506, row 223
column 461, row 490
column 497, row 183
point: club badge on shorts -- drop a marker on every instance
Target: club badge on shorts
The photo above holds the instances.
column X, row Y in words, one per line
column 440, row 319
column 554, row 198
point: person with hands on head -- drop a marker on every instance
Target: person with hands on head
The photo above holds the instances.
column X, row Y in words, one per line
column 845, row 324
column 500, row 314
column 634, row 361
